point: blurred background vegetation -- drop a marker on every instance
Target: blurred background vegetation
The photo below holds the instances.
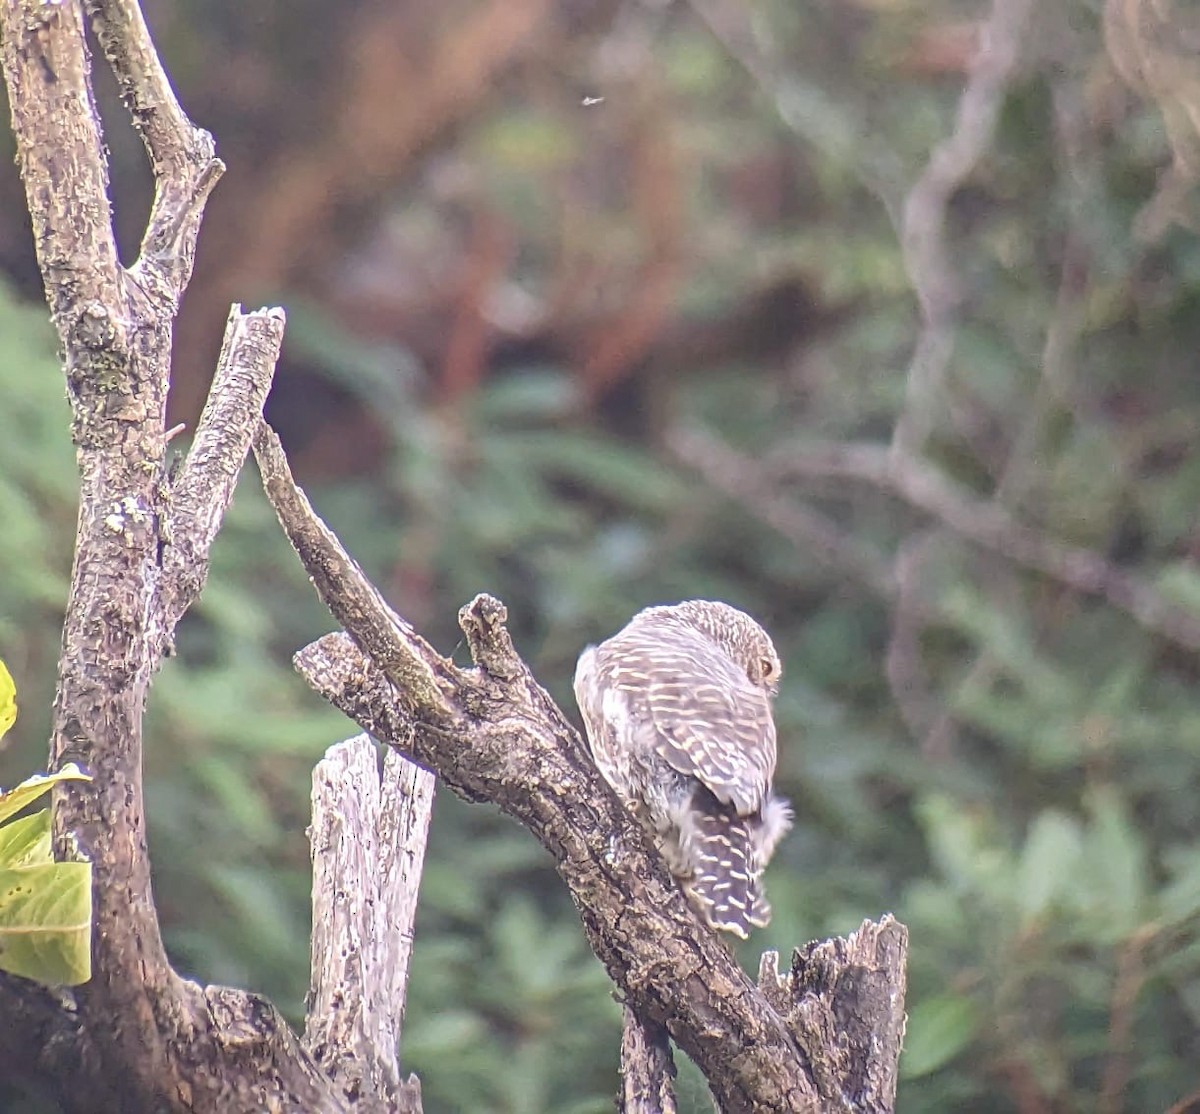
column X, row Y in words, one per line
column 585, row 301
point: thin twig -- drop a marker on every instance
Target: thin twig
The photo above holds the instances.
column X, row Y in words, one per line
column 927, row 258
column 182, row 156
column 811, row 532
column 991, row 527
column 168, row 134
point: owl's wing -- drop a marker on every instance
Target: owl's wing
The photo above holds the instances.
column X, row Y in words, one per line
column 709, row 720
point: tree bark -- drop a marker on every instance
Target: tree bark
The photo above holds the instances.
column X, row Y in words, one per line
column 368, row 840
column 492, row 733
column 647, row 1067
column 137, row 1036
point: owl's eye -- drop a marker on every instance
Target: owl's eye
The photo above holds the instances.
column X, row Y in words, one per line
column 769, row 669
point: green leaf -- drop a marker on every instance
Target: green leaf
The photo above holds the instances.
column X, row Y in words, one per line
column 964, row 845
column 46, row 922
column 1049, row 861
column 32, row 788
column 1181, row 584
column 938, row 1030
column 1116, row 871
column 45, row 907
column 26, row 842
column 1179, row 900
column 8, row 700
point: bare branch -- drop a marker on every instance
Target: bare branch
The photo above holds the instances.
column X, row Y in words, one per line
column 509, row 744
column 48, row 71
column 368, row 844
column 811, row 532
column 181, row 154
column 117, row 359
column 647, row 1069
column 927, row 258
column 354, row 601
column 205, row 487
column 137, row 1036
column 992, row 527
column 167, row 133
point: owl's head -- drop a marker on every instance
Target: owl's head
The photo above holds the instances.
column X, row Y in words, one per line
column 735, row 632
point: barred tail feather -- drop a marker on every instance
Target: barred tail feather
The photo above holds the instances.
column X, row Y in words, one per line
column 723, row 885
column 760, row 907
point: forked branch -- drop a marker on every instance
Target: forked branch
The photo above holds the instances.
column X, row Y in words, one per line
column 137, row 1036
column 492, row 733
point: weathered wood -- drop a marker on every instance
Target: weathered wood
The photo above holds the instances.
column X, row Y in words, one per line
column 493, row 733
column 647, row 1068
column 512, row 746
column 116, row 336
column 843, row 999
column 368, row 840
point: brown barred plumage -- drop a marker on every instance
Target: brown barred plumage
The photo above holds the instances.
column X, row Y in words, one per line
column 677, row 709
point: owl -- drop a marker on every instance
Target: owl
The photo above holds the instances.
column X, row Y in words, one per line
column 677, row 711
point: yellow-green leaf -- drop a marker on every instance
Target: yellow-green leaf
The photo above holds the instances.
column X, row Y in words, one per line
column 31, row 789
column 46, row 922
column 26, row 842
column 8, row 700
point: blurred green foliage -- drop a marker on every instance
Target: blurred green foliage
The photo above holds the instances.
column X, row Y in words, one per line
column 1038, row 834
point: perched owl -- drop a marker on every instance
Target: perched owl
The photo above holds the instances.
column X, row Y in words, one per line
column 677, row 708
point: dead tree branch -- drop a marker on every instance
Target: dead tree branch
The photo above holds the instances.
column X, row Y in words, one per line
column 492, row 733
column 368, row 845
column 204, row 489
column 842, row 993
column 647, row 1068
